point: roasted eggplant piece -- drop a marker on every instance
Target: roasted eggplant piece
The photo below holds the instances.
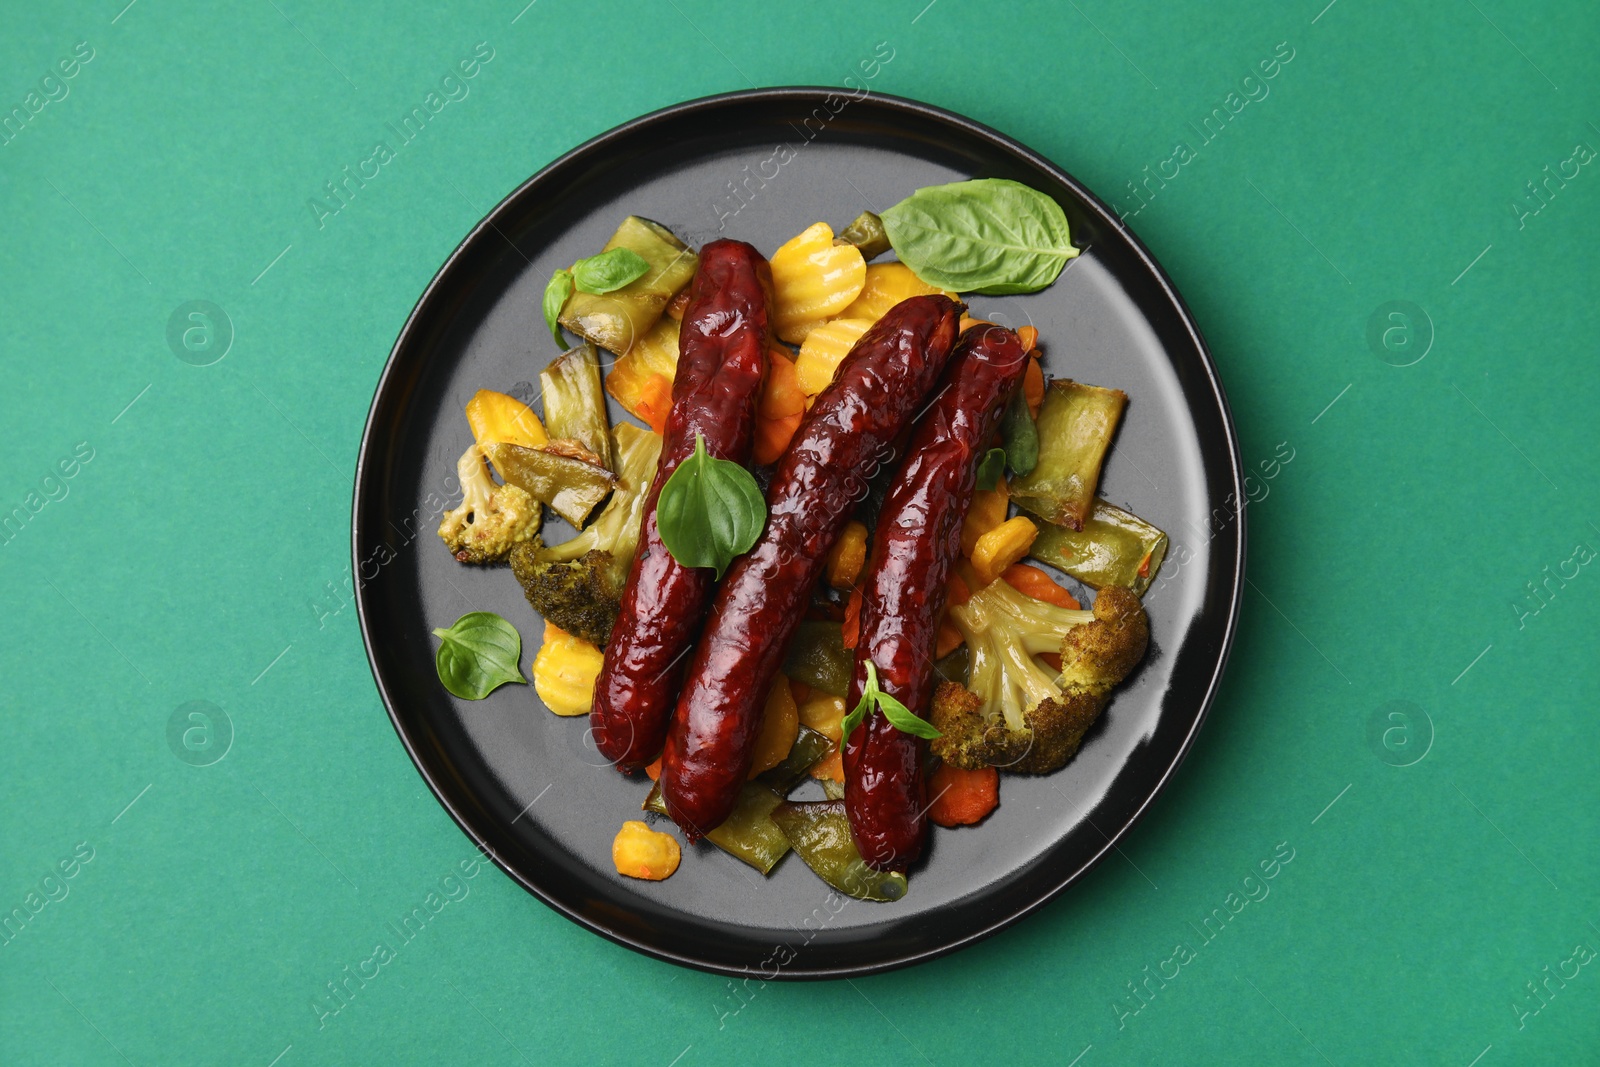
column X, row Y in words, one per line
column 575, row 402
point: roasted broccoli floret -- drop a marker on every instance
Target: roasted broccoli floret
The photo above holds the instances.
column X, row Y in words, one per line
column 1019, row 715
column 491, row 519
column 577, row 585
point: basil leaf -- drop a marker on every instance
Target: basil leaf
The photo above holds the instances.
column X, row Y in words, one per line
column 859, row 712
column 710, row 511
column 478, row 654
column 608, row 271
column 989, row 236
column 990, row 468
column 555, row 298
column 900, row 717
column 1021, row 435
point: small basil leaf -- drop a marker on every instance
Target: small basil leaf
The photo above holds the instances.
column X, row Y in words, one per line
column 609, row 271
column 989, row 236
column 903, row 719
column 1021, row 435
column 864, row 705
column 900, row 717
column 990, row 468
column 555, row 298
column 478, row 654
column 710, row 511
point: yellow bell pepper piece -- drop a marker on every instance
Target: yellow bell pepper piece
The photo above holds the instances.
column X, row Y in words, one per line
column 780, row 725
column 657, row 350
column 1003, row 546
column 498, row 417
column 987, row 510
column 886, row 285
column 848, row 555
column 641, row 381
column 813, row 279
column 824, row 713
column 564, row 672
column 640, row 852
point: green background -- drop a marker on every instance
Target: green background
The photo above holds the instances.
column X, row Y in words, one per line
column 201, row 553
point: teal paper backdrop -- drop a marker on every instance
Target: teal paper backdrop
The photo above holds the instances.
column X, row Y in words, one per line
column 1390, row 243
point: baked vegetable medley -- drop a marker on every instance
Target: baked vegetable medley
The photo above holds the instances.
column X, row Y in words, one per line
column 826, row 587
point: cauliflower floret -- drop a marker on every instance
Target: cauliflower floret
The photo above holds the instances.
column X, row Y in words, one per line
column 491, row 519
column 1019, row 715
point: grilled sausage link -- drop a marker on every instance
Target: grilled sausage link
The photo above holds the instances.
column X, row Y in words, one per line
column 722, row 362
column 916, row 541
column 848, row 432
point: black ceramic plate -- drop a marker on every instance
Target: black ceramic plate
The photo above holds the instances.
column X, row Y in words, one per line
column 526, row 785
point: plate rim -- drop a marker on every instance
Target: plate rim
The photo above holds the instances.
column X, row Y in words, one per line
column 1002, row 143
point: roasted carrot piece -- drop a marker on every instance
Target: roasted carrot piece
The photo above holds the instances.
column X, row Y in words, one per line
column 1029, row 336
column 949, row 640
column 773, row 437
column 830, row 766
column 962, row 797
column 779, row 410
column 852, row 620
column 956, row 591
column 1031, row 581
column 1033, row 387
column 781, row 394
column 654, row 769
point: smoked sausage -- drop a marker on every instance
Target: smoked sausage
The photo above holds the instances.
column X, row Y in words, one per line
column 916, row 541
column 848, row 433
column 722, row 362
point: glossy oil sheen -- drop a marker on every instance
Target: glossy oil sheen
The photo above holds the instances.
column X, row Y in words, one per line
column 1112, row 319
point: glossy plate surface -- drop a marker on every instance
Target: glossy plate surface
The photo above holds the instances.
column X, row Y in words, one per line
column 528, row 787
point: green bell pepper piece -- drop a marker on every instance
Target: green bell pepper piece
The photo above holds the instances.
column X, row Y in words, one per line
column 809, row 746
column 1113, row 548
column 1075, row 427
column 818, row 658
column 820, row 831
column 748, row 834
